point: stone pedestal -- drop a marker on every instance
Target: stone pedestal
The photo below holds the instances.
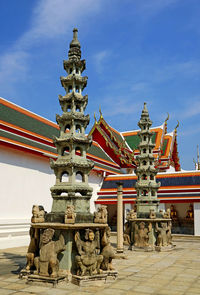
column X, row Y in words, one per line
column 66, row 258
column 151, row 234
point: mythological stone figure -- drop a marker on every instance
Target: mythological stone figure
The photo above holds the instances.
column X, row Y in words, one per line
column 108, row 251
column 38, row 214
column 167, row 214
column 87, row 260
column 141, row 235
column 47, row 263
column 164, row 234
column 127, row 232
column 70, row 215
column 33, row 248
column 131, row 214
column 101, row 215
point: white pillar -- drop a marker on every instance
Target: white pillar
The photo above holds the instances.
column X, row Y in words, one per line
column 197, row 219
column 120, row 248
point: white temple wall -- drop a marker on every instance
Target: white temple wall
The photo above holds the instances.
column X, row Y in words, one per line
column 26, row 180
column 196, row 219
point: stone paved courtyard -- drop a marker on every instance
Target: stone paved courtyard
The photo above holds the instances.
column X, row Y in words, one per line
column 175, row 273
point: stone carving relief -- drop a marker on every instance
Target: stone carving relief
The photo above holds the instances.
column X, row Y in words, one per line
column 70, row 215
column 164, row 234
column 127, row 232
column 101, row 215
column 88, row 260
column 38, row 214
column 108, row 251
column 32, row 248
column 47, row 263
column 131, row 214
column 166, row 214
column 141, row 235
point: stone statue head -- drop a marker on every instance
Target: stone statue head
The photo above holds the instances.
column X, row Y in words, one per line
column 142, row 225
column 35, row 210
column 47, row 235
column 164, row 225
column 89, row 235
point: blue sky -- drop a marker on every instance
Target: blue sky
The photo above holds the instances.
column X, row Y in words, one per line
column 136, row 51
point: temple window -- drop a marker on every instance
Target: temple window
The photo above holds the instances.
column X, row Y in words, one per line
column 144, row 151
column 65, row 150
column 77, row 89
column 70, row 89
column 150, row 162
column 144, row 138
column 67, row 128
column 68, row 108
column 144, row 177
column 144, row 163
column 144, row 127
column 149, row 150
column 65, row 177
column 78, row 129
column 77, row 71
column 144, row 193
column 153, row 194
column 79, row 177
column 78, row 109
column 78, row 151
column 151, row 177
column 70, row 70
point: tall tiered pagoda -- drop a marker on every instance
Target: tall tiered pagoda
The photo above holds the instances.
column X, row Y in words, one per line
column 146, row 185
column 71, row 167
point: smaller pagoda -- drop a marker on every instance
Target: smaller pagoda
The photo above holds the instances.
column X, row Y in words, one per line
column 150, row 227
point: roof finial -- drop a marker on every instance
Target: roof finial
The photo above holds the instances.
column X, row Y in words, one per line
column 101, row 116
column 165, row 128
column 176, row 127
column 95, row 118
column 74, row 51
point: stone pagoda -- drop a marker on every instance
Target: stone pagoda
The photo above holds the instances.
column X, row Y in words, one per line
column 150, row 229
column 146, row 185
column 72, row 167
column 70, row 228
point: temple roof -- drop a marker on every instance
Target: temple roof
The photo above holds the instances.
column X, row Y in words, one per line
column 27, row 131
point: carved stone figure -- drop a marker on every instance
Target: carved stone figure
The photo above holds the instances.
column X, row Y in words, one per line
column 141, row 235
column 166, row 214
column 164, row 234
column 33, row 248
column 131, row 214
column 70, row 215
column 152, row 214
column 101, row 215
column 47, row 263
column 127, row 232
column 108, row 251
column 38, row 214
column 87, row 260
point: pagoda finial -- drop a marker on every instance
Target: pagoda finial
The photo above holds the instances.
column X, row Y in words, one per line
column 74, row 51
column 165, row 128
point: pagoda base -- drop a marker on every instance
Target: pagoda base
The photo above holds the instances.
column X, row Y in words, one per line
column 67, row 257
column 97, row 280
column 151, row 234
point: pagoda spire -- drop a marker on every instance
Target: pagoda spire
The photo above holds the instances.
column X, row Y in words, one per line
column 72, row 167
column 146, row 185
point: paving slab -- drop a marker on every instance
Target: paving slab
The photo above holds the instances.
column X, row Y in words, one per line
column 142, row 273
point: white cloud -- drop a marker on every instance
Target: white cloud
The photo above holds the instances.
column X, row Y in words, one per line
column 50, row 19
column 192, row 108
column 100, row 59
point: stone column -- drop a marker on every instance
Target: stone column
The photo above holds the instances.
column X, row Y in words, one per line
column 120, row 248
